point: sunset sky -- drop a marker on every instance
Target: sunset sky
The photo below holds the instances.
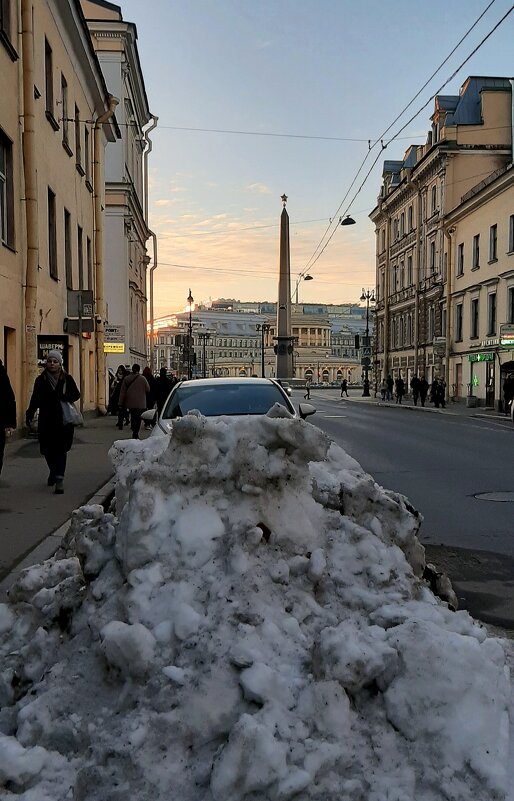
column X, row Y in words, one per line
column 313, row 73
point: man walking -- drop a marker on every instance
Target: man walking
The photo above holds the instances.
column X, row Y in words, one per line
column 400, row 389
column 307, row 395
column 133, row 392
column 414, row 385
column 423, row 390
column 390, row 385
column 344, row 387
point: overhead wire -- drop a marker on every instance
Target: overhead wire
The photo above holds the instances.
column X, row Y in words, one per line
column 316, row 255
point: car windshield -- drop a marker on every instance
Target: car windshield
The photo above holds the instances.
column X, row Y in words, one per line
column 219, row 399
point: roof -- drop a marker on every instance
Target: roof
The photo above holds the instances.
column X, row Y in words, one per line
column 468, row 110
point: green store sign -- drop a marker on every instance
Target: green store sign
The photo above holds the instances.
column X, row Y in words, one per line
column 481, row 357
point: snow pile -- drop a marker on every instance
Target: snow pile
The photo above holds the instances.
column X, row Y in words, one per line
column 251, row 626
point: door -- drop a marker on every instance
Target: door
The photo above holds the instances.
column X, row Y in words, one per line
column 489, row 383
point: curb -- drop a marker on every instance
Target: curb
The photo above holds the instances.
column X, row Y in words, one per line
column 50, row 544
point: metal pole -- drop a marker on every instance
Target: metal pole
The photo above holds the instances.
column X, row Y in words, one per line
column 262, row 351
column 190, row 346
column 365, row 393
column 81, row 369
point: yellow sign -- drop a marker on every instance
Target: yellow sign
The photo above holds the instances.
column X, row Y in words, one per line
column 114, row 347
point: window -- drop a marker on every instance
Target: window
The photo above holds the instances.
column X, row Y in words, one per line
column 384, row 237
column 65, row 126
column 6, row 192
column 460, row 259
column 78, row 147
column 86, row 154
column 402, row 224
column 491, row 314
column 511, row 233
column 432, row 257
column 458, row 322
column 52, row 236
column 493, row 243
column 410, row 219
column 434, row 199
column 510, row 304
column 6, row 28
column 80, row 253
column 68, row 266
column 476, row 251
column 409, row 270
column 402, row 274
column 49, row 86
column 474, row 318
column 89, row 260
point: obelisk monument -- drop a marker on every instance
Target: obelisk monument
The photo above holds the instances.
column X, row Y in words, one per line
column 284, row 339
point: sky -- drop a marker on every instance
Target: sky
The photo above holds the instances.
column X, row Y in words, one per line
column 319, row 73
column 247, row 624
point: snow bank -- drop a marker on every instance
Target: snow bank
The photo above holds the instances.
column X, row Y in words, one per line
column 250, row 626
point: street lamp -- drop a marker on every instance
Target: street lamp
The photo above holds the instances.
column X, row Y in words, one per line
column 300, row 278
column 190, row 300
column 369, row 297
column 263, row 328
column 347, row 220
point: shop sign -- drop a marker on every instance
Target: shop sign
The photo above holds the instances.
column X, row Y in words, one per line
column 46, row 342
column 114, row 347
column 507, row 335
column 481, row 357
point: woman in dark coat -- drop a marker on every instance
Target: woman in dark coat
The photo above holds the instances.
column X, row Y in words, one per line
column 55, row 436
column 163, row 386
column 7, row 410
column 114, row 398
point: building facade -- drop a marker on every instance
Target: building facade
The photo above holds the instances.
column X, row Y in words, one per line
column 55, row 121
column 126, row 185
column 470, row 139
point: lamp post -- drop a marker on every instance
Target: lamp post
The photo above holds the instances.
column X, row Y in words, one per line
column 368, row 296
column 300, row 278
column 190, row 300
column 263, row 328
column 204, row 336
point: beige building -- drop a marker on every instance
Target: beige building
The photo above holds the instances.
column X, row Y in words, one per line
column 55, row 120
column 470, row 140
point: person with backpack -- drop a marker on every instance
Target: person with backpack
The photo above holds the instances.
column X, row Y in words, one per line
column 133, row 393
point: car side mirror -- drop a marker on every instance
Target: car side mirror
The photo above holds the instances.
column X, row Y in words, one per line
column 305, row 410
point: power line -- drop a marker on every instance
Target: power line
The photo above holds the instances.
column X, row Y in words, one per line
column 314, row 258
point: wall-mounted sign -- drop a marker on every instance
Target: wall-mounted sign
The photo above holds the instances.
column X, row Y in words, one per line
column 507, row 335
column 114, row 347
column 114, row 333
column 481, row 357
column 46, row 342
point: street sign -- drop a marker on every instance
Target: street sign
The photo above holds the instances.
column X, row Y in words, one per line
column 366, row 351
column 80, row 302
column 114, row 333
column 481, row 357
column 507, row 335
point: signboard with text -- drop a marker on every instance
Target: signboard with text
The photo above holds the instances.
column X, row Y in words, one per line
column 46, row 342
column 507, row 335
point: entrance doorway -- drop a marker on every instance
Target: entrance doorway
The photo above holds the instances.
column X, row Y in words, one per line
column 489, row 383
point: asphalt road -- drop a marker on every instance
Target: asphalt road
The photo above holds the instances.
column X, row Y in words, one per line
column 458, row 471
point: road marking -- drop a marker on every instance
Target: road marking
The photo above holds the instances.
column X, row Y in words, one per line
column 333, row 416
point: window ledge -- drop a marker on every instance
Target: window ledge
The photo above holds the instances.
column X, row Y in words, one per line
column 477, row 267
column 11, row 50
column 80, row 169
column 460, row 275
column 474, row 337
column 67, row 148
column 9, row 246
column 492, row 261
column 89, row 185
column 51, row 119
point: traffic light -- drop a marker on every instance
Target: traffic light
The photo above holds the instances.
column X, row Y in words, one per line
column 357, row 342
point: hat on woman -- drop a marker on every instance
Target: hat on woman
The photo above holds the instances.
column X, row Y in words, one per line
column 54, row 354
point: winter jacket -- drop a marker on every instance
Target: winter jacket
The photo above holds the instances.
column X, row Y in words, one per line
column 7, row 401
column 133, row 391
column 54, row 436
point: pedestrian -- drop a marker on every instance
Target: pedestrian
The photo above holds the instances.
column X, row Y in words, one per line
column 383, row 389
column 344, row 387
column 307, row 395
column 390, row 385
column 7, row 411
column 437, row 392
column 133, row 392
column 53, row 390
column 400, row 389
column 150, row 398
column 414, row 385
column 162, row 386
column 508, row 392
column 114, row 398
column 423, row 390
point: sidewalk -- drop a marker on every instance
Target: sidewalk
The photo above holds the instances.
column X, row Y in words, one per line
column 33, row 519
column 452, row 408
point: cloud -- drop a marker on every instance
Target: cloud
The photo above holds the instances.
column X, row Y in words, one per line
column 260, row 189
column 162, row 202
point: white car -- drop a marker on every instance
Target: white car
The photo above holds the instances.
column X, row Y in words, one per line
column 214, row 397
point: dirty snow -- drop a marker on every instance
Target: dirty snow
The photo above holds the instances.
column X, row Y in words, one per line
column 249, row 624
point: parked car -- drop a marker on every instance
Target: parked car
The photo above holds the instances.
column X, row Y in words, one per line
column 214, row 397
column 286, row 386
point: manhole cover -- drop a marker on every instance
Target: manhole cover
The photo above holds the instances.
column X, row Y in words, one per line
column 499, row 497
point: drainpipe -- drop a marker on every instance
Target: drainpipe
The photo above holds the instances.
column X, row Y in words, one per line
column 154, row 240
column 449, row 232
column 29, row 351
column 98, row 184
column 512, row 119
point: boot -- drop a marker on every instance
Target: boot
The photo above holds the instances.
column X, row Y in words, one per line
column 59, row 486
column 51, row 479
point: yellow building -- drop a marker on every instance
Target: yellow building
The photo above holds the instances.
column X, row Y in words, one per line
column 55, row 120
column 470, row 139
